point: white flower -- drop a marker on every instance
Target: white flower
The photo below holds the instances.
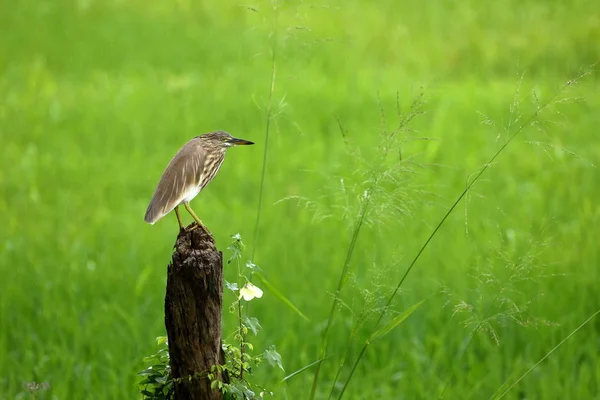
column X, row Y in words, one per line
column 249, row 292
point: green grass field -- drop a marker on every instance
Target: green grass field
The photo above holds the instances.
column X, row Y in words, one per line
column 96, row 97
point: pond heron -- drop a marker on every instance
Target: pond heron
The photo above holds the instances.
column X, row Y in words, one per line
column 192, row 168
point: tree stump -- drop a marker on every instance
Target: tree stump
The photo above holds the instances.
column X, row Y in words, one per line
column 193, row 305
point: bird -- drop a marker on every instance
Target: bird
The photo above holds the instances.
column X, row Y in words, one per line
column 190, row 170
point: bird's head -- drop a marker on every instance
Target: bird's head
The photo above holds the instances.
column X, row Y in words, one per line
column 222, row 139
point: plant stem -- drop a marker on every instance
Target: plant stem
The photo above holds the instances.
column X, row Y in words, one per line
column 241, row 325
column 242, row 339
column 346, row 351
column 268, row 126
column 338, row 290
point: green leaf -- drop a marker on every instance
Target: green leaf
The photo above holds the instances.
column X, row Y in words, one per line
column 273, row 357
column 148, row 371
column 236, row 247
column 161, row 340
column 252, row 323
column 293, row 374
column 278, row 294
column 235, row 390
column 158, row 368
column 384, row 330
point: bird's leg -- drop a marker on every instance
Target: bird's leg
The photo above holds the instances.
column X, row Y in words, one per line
column 193, row 214
column 181, row 227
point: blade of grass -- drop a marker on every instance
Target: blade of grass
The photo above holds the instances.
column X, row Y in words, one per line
column 384, row 330
column 503, row 393
column 293, row 374
column 279, row 295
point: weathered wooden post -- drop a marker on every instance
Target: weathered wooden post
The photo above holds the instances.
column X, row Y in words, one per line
column 193, row 306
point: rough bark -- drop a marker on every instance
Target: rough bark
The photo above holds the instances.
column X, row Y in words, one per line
column 193, row 305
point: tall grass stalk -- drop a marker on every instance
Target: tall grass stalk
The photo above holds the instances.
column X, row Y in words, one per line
column 468, row 187
column 268, row 123
column 341, row 281
column 346, row 352
column 500, row 393
column 388, row 140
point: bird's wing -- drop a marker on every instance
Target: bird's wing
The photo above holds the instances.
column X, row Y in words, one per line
column 182, row 174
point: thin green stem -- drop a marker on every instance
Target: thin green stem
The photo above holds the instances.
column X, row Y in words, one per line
column 242, row 339
column 346, row 352
column 241, row 325
column 341, row 281
column 268, row 127
column 495, row 396
column 362, row 352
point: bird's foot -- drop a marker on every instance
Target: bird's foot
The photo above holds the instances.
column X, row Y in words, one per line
column 205, row 229
column 190, row 228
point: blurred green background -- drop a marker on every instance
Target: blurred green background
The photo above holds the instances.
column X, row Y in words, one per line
column 96, row 97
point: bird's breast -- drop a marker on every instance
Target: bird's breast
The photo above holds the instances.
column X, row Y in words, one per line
column 191, row 192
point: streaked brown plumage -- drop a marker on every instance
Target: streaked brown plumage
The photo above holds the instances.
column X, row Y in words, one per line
column 192, row 168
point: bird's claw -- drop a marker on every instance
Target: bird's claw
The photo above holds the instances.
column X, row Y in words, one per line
column 195, row 226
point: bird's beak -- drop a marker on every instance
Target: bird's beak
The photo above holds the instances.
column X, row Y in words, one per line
column 239, row 142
